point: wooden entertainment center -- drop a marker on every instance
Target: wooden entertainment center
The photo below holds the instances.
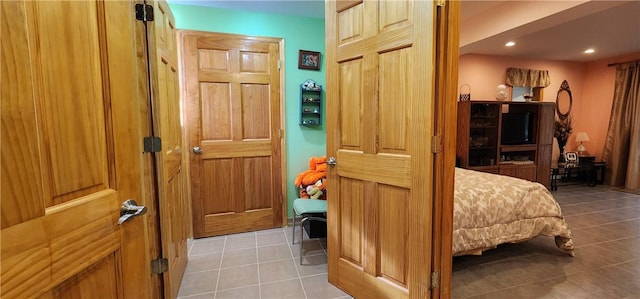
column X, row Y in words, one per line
column 508, row 138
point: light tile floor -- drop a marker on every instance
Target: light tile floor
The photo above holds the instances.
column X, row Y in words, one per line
column 262, row 264
column 605, row 226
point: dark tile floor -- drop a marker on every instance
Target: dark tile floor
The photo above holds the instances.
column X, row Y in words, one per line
column 605, row 226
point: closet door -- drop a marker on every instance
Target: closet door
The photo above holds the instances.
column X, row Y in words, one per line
column 233, row 107
column 71, row 151
column 175, row 219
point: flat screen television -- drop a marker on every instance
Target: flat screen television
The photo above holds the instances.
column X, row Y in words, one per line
column 517, row 128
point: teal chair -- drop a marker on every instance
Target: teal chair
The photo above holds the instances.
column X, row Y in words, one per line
column 305, row 209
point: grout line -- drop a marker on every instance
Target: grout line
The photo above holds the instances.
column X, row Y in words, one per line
column 284, row 259
column 293, row 235
column 314, row 275
column 604, row 211
column 281, row 280
column 258, row 268
column 618, row 266
column 324, row 249
column 269, row 231
column 196, row 295
column 608, row 241
column 202, row 271
column 202, row 254
column 604, row 224
column 603, row 201
column 241, row 287
column 190, row 247
column 215, row 294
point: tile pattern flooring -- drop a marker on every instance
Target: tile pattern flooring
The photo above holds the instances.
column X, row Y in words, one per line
column 606, row 231
column 259, row 265
column 605, row 227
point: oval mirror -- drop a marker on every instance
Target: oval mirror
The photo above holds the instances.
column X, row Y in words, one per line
column 564, row 101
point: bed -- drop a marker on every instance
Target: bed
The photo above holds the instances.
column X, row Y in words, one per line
column 491, row 209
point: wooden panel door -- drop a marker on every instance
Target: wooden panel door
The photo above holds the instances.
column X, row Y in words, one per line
column 73, row 105
column 232, row 93
column 381, row 129
column 173, row 202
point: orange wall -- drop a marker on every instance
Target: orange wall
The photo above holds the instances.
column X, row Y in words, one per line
column 591, row 84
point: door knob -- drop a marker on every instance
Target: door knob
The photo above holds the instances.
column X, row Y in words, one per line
column 197, row 150
column 332, row 161
column 129, row 210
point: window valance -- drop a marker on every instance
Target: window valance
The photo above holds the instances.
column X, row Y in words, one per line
column 528, row 78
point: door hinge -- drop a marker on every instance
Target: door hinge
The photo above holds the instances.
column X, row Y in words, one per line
column 152, row 144
column 435, row 280
column 144, row 12
column 441, row 2
column 159, row 265
column 280, row 133
column 279, row 64
column 436, row 144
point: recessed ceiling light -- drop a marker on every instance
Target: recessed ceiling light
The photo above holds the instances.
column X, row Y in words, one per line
column 589, row 51
column 510, row 44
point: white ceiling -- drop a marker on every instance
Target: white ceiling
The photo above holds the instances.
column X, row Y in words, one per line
column 551, row 30
column 546, row 30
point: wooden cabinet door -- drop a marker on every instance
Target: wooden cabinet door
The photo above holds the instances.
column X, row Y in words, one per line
column 546, row 126
column 381, row 128
column 72, row 116
column 232, row 95
column 173, row 204
column 525, row 172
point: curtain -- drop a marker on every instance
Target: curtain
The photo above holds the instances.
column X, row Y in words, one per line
column 528, row 78
column 622, row 145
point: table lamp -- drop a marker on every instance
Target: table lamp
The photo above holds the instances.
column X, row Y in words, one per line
column 582, row 137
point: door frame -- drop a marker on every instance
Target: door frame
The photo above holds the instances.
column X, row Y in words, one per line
column 187, row 129
column 172, row 207
column 445, row 117
column 149, row 190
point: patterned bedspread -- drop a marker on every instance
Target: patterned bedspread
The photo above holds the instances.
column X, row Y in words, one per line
column 492, row 209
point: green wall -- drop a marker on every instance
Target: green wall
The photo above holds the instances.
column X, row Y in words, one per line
column 298, row 33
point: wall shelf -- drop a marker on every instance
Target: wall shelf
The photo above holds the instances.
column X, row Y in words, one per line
column 310, row 104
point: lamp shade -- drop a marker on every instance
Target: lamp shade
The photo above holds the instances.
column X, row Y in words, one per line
column 582, row 136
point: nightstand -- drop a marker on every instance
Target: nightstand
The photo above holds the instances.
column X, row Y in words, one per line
column 586, row 158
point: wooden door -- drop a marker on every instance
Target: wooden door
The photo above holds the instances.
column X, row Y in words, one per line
column 173, row 203
column 73, row 114
column 383, row 130
column 232, row 93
